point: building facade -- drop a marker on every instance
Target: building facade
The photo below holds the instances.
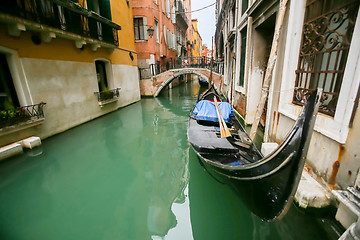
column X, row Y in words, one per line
column 183, row 16
column 204, row 51
column 63, row 63
column 196, row 40
column 167, row 18
column 317, row 49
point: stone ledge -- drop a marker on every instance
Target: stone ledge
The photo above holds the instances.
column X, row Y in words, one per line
column 30, row 142
column 311, row 193
column 10, row 150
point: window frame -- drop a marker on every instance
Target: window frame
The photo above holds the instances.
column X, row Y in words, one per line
column 157, row 32
column 108, row 72
column 248, row 26
column 323, row 64
column 18, row 76
column 337, row 127
column 142, row 28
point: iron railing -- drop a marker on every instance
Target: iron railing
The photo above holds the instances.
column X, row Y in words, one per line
column 65, row 15
column 180, row 13
column 182, row 62
column 327, row 33
column 112, row 94
column 21, row 115
column 201, row 62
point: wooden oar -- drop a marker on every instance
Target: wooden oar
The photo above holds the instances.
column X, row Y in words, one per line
column 224, row 131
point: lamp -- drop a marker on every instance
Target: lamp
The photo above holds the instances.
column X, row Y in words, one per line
column 150, row 31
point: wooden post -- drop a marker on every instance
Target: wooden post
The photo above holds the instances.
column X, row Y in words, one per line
column 269, row 69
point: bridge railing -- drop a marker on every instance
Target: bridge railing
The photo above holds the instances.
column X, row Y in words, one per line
column 183, row 62
column 200, row 62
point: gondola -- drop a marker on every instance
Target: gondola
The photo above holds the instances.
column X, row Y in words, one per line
column 265, row 184
column 203, row 82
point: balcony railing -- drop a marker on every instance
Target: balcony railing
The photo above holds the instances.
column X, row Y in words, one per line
column 21, row 115
column 64, row 15
column 108, row 96
column 180, row 13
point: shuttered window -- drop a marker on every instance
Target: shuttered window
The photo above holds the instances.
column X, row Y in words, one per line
column 140, row 28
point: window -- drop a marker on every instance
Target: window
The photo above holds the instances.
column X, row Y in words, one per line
column 165, row 34
column 163, row 6
column 167, row 8
column 101, row 75
column 102, row 7
column 174, row 41
column 233, row 16
column 169, row 37
column 140, row 27
column 173, row 17
column 16, row 104
column 244, row 6
column 8, row 96
column 157, row 37
column 327, row 32
column 243, row 33
column 107, row 93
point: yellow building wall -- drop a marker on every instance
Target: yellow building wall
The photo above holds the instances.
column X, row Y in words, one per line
column 195, row 39
column 63, row 49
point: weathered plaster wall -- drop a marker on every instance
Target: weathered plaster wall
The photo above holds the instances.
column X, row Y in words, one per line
column 337, row 164
column 68, row 89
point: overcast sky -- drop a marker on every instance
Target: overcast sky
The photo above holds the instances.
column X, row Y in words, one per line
column 206, row 19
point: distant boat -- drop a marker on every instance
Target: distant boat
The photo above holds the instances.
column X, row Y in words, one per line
column 265, row 184
column 203, row 82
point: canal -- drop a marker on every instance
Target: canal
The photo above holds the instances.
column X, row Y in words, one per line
column 131, row 175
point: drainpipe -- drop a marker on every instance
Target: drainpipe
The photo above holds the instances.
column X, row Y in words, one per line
column 236, row 47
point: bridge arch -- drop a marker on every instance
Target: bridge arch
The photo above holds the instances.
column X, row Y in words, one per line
column 178, row 73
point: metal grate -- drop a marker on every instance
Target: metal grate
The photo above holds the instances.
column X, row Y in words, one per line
column 327, row 32
column 21, row 115
column 112, row 94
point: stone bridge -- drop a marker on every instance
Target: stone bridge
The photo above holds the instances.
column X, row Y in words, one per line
column 154, row 85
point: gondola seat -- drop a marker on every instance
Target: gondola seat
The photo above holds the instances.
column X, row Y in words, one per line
column 213, row 143
column 205, row 110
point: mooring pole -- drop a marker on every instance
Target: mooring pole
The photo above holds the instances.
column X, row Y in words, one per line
column 269, row 68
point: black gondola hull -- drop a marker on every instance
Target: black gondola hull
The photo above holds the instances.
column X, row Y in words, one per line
column 266, row 185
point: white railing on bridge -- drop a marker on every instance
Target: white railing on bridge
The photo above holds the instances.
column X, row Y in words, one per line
column 183, row 62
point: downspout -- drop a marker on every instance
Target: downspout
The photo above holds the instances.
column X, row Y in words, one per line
column 236, row 48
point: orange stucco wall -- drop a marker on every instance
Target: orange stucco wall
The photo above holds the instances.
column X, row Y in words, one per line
column 152, row 11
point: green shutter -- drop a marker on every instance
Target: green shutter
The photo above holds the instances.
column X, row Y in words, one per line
column 105, row 9
column 90, row 5
column 104, row 6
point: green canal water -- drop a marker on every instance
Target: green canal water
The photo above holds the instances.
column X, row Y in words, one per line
column 131, row 175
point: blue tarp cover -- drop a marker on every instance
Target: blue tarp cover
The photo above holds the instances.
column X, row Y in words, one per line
column 206, row 110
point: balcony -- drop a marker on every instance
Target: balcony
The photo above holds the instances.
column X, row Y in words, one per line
column 108, row 96
column 62, row 18
column 180, row 14
column 20, row 118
